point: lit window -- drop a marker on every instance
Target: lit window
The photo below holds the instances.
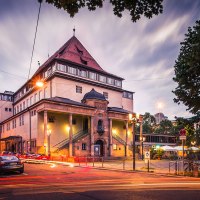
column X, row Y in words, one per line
column 78, row 89
column 114, row 147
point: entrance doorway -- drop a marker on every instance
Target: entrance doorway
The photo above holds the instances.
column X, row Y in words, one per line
column 99, row 143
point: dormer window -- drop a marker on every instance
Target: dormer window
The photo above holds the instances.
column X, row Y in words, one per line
column 83, row 61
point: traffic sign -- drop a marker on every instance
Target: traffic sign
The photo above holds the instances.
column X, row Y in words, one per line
column 182, row 137
column 147, row 154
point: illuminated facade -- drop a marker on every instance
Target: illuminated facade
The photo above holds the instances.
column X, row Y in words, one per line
column 80, row 110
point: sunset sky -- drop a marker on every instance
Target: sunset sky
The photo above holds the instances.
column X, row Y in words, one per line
column 143, row 53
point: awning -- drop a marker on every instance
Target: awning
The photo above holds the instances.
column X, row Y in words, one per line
column 11, row 138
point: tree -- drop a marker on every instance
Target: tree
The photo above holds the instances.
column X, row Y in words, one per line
column 187, row 71
column 136, row 8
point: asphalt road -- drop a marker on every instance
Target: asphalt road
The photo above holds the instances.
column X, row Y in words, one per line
column 42, row 181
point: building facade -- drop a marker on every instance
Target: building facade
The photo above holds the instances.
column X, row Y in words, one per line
column 79, row 110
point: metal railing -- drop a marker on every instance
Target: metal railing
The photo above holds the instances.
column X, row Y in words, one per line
column 64, row 143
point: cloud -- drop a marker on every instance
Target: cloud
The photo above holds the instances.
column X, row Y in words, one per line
column 143, row 53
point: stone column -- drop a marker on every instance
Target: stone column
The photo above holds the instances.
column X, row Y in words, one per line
column 126, row 147
column 45, row 130
column 110, row 138
column 133, row 141
column 141, row 139
column 70, row 136
column 92, row 136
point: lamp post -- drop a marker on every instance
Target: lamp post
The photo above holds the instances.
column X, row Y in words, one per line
column 142, row 139
column 133, row 119
column 49, row 135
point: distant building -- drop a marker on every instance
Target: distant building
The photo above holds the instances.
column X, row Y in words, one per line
column 160, row 117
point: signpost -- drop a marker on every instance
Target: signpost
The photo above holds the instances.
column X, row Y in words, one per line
column 147, row 158
column 182, row 136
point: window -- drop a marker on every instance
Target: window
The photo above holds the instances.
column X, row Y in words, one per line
column 45, row 93
column 21, row 120
column 35, row 98
column 20, row 107
column 114, row 147
column 92, row 75
column 24, row 106
column 14, row 123
column 27, row 102
column 10, row 109
column 31, row 101
column 72, row 70
column 102, row 78
column 61, row 67
column 14, row 111
column 6, row 109
column 73, row 121
column 100, row 127
column 78, row 89
column 40, row 95
column 83, row 73
column 84, row 146
column 127, row 95
column 8, row 126
column 105, row 95
column 17, row 109
column 118, row 83
column 110, row 81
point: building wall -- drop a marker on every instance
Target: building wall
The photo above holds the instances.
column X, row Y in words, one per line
column 6, row 110
column 127, row 104
column 67, row 89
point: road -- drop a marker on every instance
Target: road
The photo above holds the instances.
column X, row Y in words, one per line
column 52, row 181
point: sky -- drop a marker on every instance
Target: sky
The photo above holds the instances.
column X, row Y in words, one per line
column 143, row 53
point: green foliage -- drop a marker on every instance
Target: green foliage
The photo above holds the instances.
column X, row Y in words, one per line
column 188, row 125
column 187, row 70
column 136, row 8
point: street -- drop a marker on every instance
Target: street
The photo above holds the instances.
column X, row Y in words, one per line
column 52, row 181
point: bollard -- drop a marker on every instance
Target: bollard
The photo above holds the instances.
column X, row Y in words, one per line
column 169, row 167
column 195, row 171
column 102, row 162
column 93, row 161
column 79, row 160
column 148, row 165
column 176, row 167
column 86, row 160
column 123, row 164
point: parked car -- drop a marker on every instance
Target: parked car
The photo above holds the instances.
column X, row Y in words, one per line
column 10, row 163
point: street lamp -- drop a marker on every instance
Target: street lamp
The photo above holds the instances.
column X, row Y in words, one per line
column 142, row 139
column 193, row 143
column 133, row 119
column 49, row 135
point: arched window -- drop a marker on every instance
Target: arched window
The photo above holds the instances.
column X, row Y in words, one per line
column 100, row 128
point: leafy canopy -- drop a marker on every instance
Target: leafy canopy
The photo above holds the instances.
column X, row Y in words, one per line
column 136, row 8
column 187, row 71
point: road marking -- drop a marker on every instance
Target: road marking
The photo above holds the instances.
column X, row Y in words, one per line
column 25, row 174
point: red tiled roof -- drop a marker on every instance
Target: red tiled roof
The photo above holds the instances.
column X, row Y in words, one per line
column 75, row 52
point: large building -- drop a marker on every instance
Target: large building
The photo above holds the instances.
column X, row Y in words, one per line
column 80, row 109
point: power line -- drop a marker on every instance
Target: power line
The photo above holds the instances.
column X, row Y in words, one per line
column 148, row 79
column 35, row 38
column 13, row 74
